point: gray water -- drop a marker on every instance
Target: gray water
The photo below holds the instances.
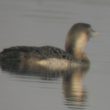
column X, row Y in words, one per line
column 46, row 22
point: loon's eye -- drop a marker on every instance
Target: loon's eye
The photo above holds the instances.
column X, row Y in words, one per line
column 88, row 33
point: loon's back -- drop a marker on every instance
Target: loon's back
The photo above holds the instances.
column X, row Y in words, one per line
column 40, row 52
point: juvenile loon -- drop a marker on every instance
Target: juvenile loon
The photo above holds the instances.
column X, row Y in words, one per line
column 48, row 57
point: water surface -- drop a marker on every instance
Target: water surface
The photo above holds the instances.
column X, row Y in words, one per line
column 46, row 22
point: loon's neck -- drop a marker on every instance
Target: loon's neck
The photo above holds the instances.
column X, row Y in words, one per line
column 76, row 46
column 77, row 53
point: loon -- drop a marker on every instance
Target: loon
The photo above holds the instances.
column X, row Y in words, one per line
column 50, row 57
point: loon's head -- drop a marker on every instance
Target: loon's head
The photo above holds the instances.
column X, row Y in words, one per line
column 78, row 37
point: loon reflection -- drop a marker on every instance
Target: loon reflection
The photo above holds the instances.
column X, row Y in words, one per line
column 72, row 82
column 73, row 88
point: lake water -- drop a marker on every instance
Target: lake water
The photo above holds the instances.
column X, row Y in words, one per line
column 46, row 22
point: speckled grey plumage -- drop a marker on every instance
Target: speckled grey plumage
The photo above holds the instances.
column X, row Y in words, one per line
column 43, row 52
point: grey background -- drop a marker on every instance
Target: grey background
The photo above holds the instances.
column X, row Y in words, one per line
column 46, row 22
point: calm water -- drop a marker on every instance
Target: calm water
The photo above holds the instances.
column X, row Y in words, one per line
column 46, row 22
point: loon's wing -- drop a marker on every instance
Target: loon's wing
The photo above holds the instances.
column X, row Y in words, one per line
column 54, row 52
